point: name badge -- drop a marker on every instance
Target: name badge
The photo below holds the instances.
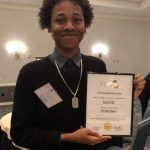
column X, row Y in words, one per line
column 48, row 95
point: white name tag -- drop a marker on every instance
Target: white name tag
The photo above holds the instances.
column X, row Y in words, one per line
column 48, row 95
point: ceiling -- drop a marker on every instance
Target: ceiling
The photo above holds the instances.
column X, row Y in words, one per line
column 139, row 9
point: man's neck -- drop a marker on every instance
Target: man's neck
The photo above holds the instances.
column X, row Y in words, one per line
column 68, row 53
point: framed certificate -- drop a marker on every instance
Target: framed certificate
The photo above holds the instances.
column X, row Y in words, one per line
column 109, row 106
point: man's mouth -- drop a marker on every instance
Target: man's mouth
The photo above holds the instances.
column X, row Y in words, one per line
column 69, row 36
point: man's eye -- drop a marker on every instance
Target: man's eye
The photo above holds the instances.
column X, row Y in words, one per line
column 60, row 21
column 77, row 20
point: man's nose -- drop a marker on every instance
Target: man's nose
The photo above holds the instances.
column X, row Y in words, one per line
column 69, row 26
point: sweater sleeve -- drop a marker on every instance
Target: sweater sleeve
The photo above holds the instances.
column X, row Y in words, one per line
column 145, row 96
column 25, row 129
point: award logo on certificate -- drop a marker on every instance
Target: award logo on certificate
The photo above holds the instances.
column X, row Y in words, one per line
column 109, row 103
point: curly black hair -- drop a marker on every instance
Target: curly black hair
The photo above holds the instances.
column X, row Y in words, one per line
column 47, row 7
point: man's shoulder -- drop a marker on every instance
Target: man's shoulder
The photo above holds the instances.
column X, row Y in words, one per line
column 36, row 65
column 94, row 64
column 92, row 59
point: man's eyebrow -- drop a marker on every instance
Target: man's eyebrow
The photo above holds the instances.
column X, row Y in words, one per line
column 77, row 14
column 63, row 14
column 60, row 14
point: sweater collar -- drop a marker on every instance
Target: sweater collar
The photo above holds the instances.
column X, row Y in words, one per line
column 61, row 60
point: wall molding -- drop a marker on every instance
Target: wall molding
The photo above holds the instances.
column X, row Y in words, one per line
column 98, row 13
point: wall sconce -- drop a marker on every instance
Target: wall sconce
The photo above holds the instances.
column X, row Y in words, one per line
column 38, row 58
column 100, row 49
column 16, row 48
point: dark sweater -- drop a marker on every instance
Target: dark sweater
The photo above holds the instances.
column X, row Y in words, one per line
column 145, row 95
column 37, row 127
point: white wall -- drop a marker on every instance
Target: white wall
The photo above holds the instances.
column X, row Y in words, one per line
column 22, row 25
column 146, row 63
column 126, row 39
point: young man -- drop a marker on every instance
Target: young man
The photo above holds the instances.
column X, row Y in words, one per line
column 50, row 99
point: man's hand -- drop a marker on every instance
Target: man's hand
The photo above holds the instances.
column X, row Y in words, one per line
column 139, row 83
column 84, row 136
